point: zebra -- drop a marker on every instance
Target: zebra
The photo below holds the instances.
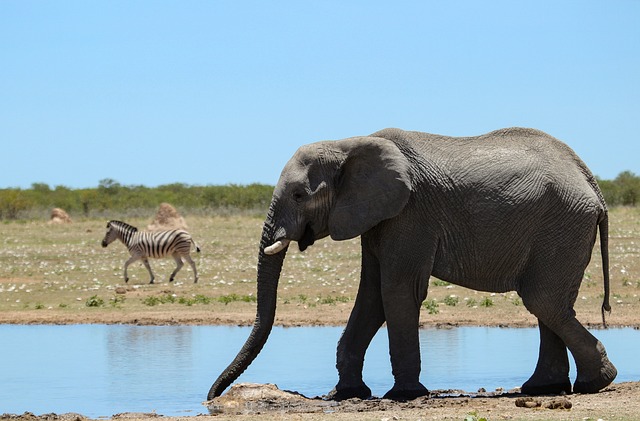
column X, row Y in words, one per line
column 145, row 244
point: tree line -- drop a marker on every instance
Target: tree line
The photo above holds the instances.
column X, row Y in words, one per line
column 624, row 190
column 112, row 197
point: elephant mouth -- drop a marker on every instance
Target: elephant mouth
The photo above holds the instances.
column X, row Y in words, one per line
column 308, row 238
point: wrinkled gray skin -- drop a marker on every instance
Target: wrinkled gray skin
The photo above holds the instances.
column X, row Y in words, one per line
column 514, row 209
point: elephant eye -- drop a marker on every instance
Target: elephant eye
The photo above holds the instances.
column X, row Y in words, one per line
column 298, row 196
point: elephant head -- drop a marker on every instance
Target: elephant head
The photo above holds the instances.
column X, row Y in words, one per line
column 334, row 188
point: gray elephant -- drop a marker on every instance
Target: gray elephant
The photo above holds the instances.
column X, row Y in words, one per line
column 514, row 209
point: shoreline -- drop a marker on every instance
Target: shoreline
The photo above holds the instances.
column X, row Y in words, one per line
column 151, row 320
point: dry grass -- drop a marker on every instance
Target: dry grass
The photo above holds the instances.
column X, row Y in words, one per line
column 49, row 273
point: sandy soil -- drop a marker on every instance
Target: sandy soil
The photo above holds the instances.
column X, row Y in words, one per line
column 617, row 402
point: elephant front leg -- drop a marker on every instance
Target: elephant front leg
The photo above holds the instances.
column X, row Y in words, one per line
column 366, row 318
column 402, row 310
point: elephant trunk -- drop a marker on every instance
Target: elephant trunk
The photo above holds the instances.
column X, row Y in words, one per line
column 269, row 267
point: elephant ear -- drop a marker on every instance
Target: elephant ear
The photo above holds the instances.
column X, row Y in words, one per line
column 372, row 185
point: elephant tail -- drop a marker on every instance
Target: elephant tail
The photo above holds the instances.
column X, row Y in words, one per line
column 603, row 226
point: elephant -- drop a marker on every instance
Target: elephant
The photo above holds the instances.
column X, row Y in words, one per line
column 511, row 210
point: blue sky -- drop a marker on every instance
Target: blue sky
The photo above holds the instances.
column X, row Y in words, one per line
column 154, row 92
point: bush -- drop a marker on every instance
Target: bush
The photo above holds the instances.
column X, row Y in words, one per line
column 451, row 300
column 431, row 306
column 624, row 190
column 226, row 299
column 486, row 302
column 94, row 301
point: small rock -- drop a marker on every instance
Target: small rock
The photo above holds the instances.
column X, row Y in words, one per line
column 528, row 402
column 561, row 403
column 134, row 415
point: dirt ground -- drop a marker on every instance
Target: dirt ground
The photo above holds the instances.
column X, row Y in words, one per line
column 616, row 402
column 60, row 275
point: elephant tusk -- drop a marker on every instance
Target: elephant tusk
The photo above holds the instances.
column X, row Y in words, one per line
column 277, row 247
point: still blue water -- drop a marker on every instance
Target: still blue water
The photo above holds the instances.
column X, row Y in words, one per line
column 101, row 370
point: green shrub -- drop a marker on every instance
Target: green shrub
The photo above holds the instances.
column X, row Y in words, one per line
column 333, row 300
column 117, row 300
column 201, row 299
column 451, row 300
column 94, row 301
column 151, row 301
column 155, row 300
column 226, row 299
column 439, row 283
column 431, row 306
column 486, row 302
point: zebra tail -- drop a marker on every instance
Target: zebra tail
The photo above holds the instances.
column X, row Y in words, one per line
column 195, row 245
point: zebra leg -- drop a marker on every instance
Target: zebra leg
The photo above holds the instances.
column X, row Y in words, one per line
column 193, row 266
column 148, row 266
column 126, row 265
column 179, row 265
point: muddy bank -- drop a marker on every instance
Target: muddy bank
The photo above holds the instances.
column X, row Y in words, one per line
column 257, row 402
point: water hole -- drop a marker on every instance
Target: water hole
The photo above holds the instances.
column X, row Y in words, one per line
column 102, row 370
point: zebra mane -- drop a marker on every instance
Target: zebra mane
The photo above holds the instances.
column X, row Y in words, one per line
column 124, row 225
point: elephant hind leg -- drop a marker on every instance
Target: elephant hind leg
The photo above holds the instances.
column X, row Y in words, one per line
column 552, row 371
column 555, row 312
column 598, row 378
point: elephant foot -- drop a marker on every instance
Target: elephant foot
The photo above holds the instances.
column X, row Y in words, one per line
column 607, row 374
column 530, row 388
column 340, row 393
column 549, row 378
column 406, row 392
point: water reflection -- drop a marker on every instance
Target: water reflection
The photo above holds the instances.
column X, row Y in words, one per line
column 100, row 370
column 151, row 363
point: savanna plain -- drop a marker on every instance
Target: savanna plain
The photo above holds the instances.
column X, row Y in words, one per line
column 60, row 274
